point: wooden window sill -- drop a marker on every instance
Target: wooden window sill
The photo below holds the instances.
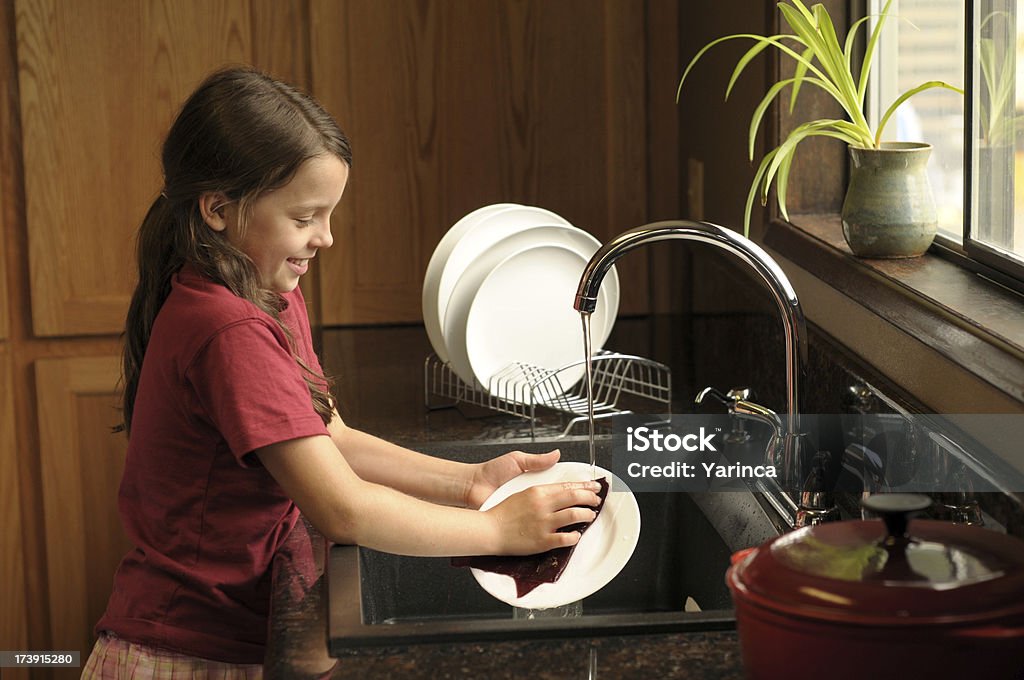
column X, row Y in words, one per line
column 972, row 321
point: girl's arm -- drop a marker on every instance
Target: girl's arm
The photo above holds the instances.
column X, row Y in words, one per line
column 348, row 509
column 434, row 479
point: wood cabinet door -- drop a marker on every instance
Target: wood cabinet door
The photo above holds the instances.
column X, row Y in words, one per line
column 13, row 625
column 81, row 462
column 454, row 105
column 99, row 85
column 4, row 288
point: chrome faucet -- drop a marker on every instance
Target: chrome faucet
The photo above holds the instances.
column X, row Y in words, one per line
column 788, row 457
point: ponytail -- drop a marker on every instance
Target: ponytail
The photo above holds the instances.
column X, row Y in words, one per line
column 153, row 253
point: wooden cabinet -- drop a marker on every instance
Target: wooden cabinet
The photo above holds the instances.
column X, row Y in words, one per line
column 13, row 626
column 455, row 105
column 100, row 83
column 81, row 462
column 3, row 271
column 9, row 184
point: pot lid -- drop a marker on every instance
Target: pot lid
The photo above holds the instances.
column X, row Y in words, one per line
column 892, row 571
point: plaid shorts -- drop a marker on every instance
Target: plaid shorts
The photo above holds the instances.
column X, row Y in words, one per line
column 115, row 659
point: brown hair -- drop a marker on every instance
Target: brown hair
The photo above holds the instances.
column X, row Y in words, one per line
column 241, row 133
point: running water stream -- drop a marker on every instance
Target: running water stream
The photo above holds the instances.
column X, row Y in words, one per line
column 589, row 362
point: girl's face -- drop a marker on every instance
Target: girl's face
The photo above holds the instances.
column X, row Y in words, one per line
column 289, row 224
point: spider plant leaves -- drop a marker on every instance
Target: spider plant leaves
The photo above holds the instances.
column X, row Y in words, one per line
column 851, row 36
column 754, row 186
column 821, row 59
column 997, row 127
column 815, row 29
column 759, row 47
column 762, row 107
column 824, row 127
column 999, row 124
column 808, row 33
column 742, row 63
column 782, row 184
column 869, row 54
column 998, row 79
column 769, row 40
column 931, row 84
column 779, row 160
column 835, row 57
column 773, row 91
column 798, row 76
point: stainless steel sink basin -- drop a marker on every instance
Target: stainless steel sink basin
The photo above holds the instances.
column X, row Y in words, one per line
column 683, row 552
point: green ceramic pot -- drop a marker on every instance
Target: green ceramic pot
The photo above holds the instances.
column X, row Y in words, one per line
column 889, row 209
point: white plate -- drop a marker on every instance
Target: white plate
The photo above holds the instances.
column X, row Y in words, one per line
column 432, row 318
column 602, row 552
column 522, row 313
column 467, row 240
column 514, row 304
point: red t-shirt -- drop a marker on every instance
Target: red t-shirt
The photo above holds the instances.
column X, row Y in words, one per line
column 218, row 381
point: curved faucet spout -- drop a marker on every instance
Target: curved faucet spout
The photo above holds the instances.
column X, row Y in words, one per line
column 794, row 326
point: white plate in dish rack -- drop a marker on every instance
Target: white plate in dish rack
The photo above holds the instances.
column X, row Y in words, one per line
column 466, row 241
column 514, row 304
column 523, row 312
column 433, row 316
column 602, row 552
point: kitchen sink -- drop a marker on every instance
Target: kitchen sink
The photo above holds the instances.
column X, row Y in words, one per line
column 673, row 582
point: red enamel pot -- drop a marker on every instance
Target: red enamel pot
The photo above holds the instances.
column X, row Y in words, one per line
column 900, row 599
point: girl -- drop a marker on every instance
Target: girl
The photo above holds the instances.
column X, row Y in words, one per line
column 232, row 428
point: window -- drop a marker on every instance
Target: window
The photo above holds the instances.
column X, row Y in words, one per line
column 996, row 230
column 979, row 43
column 924, row 40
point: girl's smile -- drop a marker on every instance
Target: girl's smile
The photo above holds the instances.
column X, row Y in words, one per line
column 300, row 267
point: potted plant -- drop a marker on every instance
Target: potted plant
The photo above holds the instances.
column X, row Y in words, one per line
column 889, row 210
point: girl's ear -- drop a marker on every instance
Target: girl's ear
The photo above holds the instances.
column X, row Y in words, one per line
column 211, row 206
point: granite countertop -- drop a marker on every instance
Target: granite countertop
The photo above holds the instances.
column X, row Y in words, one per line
column 297, row 646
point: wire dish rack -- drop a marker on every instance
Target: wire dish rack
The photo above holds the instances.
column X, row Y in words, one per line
column 520, row 388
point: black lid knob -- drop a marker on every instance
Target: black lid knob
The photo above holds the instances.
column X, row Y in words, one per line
column 896, row 509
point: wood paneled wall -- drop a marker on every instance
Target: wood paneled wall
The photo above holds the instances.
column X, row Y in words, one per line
column 462, row 104
column 451, row 104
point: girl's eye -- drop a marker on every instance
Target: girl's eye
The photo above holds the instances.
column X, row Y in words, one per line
column 304, row 222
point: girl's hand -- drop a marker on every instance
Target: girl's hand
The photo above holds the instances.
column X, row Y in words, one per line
column 490, row 475
column 528, row 522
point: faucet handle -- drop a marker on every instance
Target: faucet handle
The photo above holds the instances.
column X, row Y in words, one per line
column 736, row 400
column 740, row 394
column 716, row 393
column 729, row 398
